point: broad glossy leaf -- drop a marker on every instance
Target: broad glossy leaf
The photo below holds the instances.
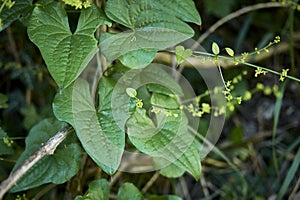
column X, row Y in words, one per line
column 138, row 58
column 164, row 20
column 168, row 139
column 98, row 189
column 101, row 140
column 189, row 161
column 19, row 9
column 163, row 90
column 164, row 101
column 153, row 73
column 62, row 105
column 107, row 121
column 149, row 38
column 129, row 191
column 65, row 53
column 136, row 14
column 57, row 168
column 163, row 82
column 172, row 171
column 165, row 197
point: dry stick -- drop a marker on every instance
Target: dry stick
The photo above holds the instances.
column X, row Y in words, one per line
column 204, row 186
column 184, row 188
column 234, row 15
column 150, row 182
column 47, row 148
column 294, row 191
column 13, row 46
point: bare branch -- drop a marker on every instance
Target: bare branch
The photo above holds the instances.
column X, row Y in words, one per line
column 234, row 15
column 47, row 148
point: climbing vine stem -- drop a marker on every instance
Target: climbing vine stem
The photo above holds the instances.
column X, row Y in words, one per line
column 247, row 64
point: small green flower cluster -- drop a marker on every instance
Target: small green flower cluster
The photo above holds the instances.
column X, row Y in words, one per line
column 227, row 92
column 267, row 90
column 166, row 112
column 233, row 101
column 245, row 55
column 206, row 108
column 259, row 71
column 283, row 74
column 8, row 3
column 23, row 197
column 292, row 4
column 197, row 111
column 78, row 4
column 7, row 141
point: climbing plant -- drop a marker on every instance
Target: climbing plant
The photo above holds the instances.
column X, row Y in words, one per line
column 114, row 99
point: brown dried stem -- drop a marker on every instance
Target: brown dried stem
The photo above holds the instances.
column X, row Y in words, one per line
column 47, row 148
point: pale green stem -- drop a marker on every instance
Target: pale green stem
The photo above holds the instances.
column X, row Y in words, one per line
column 2, row 6
column 247, row 64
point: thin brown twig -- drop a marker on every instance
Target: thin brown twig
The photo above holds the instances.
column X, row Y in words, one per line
column 233, row 15
column 43, row 191
column 150, row 182
column 12, row 44
column 47, row 148
column 204, row 185
column 295, row 189
column 184, row 188
column 115, row 177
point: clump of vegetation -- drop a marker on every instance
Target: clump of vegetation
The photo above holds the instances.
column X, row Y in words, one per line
column 119, row 99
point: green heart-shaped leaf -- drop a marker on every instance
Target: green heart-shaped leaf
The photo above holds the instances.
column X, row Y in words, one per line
column 141, row 39
column 138, row 58
column 182, row 54
column 172, row 171
column 65, row 53
column 155, row 25
column 142, row 13
column 164, row 101
column 98, row 189
column 100, row 136
column 129, row 191
column 168, row 140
